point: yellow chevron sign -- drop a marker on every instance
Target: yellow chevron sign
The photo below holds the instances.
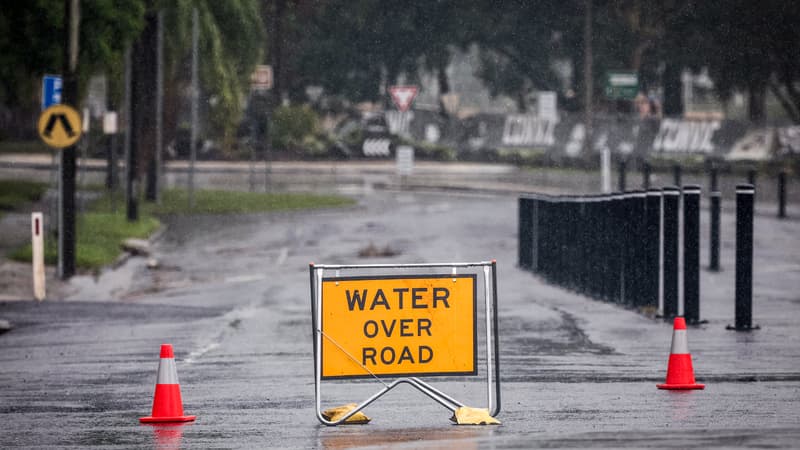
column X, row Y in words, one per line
column 60, row 126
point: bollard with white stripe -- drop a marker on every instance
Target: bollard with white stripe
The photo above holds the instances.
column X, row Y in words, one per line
column 37, row 255
column 680, row 373
column 167, row 403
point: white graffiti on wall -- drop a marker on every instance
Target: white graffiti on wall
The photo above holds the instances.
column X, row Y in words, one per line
column 577, row 136
column 685, row 136
column 399, row 122
column 528, row 130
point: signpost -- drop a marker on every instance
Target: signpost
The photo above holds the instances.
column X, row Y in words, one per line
column 403, row 96
column 622, row 85
column 404, row 321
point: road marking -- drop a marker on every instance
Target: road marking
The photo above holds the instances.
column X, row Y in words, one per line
column 245, row 278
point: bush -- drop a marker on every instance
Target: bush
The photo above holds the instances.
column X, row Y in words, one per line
column 292, row 125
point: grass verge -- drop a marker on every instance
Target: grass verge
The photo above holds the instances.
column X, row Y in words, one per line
column 228, row 202
column 100, row 231
column 32, row 146
column 15, row 193
column 98, row 239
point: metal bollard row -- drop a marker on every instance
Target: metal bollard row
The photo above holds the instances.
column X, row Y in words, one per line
column 604, row 246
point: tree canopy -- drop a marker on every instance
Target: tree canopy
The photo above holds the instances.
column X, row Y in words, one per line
column 355, row 48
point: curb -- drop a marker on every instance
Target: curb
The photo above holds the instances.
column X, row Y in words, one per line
column 124, row 256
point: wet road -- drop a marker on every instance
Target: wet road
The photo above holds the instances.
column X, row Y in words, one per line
column 232, row 296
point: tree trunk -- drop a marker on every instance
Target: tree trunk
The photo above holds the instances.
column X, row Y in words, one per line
column 756, row 104
column 444, row 87
column 673, row 99
column 143, row 103
column 276, row 50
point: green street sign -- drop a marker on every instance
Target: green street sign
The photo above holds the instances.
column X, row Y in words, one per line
column 622, row 85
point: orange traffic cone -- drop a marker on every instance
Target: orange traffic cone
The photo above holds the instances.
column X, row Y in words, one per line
column 167, row 404
column 680, row 374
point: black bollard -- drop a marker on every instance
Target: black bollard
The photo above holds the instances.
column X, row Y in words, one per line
column 639, row 246
column 617, row 251
column 713, row 174
column 111, row 164
column 751, row 177
column 714, row 235
column 646, row 175
column 691, row 254
column 744, row 258
column 622, row 168
column 535, row 227
column 677, row 172
column 525, row 233
column 671, row 196
column 782, row 195
column 652, row 249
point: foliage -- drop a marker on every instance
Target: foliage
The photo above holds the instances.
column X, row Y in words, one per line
column 33, row 44
column 429, row 151
column 354, row 48
column 98, row 239
column 100, row 231
column 754, row 47
column 292, row 124
column 231, row 42
column 228, row 202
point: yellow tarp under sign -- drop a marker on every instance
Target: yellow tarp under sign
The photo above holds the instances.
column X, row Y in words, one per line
column 396, row 326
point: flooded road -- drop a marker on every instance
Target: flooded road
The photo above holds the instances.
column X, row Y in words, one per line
column 232, row 296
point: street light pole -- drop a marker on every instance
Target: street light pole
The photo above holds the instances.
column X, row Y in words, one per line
column 588, row 76
column 195, row 95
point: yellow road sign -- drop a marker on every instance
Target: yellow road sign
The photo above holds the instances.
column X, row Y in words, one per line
column 391, row 326
column 60, row 126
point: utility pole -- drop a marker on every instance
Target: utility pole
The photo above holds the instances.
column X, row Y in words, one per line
column 195, row 95
column 152, row 74
column 66, row 210
column 159, row 106
column 131, row 188
column 588, row 77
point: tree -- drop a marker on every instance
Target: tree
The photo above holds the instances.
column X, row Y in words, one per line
column 231, row 44
column 755, row 47
column 31, row 46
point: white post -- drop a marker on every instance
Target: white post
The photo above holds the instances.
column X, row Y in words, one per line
column 37, row 252
column 605, row 169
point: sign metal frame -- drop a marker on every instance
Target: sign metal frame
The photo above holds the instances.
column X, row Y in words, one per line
column 492, row 345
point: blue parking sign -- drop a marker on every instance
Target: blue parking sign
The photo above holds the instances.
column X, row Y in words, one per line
column 51, row 90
